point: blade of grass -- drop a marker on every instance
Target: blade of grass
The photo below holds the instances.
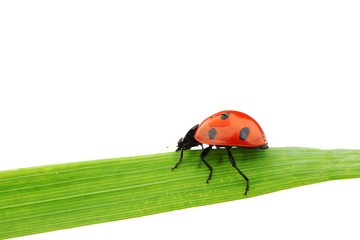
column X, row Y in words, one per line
column 47, row 198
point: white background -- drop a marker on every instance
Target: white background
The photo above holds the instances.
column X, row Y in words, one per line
column 83, row 80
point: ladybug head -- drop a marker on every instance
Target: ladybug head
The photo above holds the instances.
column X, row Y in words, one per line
column 189, row 140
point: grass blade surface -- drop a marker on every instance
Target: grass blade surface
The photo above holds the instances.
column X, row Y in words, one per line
column 47, row 198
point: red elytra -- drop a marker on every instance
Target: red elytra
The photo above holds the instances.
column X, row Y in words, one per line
column 224, row 129
column 230, row 128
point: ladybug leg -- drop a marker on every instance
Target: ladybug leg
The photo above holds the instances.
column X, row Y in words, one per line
column 181, row 157
column 232, row 160
column 202, row 156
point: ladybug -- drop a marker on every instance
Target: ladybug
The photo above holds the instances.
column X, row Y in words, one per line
column 224, row 129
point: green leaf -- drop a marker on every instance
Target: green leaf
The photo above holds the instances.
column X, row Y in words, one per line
column 47, row 198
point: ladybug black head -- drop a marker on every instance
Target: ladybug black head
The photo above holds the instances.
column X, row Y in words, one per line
column 189, row 140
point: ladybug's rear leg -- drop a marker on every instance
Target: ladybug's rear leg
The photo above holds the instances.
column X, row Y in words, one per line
column 202, row 156
column 232, row 160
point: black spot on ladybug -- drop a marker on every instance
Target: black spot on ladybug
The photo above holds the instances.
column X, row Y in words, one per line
column 225, row 116
column 244, row 133
column 212, row 133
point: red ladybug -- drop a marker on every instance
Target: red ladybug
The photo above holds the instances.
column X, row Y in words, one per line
column 224, row 129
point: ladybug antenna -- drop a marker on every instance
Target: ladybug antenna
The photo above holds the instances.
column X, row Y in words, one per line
column 189, row 140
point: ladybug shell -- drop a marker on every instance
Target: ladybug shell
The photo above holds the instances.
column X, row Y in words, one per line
column 230, row 128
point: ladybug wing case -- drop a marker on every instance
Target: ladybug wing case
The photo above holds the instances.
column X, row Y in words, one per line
column 231, row 128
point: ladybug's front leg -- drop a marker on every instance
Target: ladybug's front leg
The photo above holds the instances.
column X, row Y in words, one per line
column 181, row 157
column 202, row 156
